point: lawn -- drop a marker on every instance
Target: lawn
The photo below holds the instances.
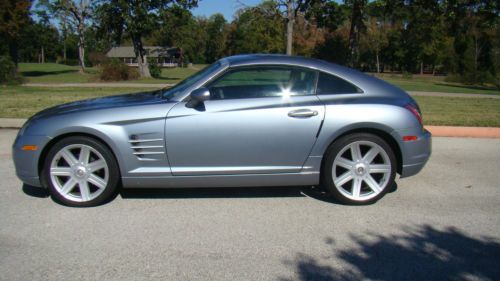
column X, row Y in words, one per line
column 59, row 73
column 54, row 73
column 22, row 102
column 460, row 111
column 439, row 85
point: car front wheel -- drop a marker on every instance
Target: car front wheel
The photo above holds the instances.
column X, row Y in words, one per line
column 359, row 169
column 81, row 172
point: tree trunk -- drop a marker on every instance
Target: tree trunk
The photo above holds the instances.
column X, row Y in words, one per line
column 13, row 52
column 421, row 67
column 289, row 27
column 43, row 54
column 356, row 18
column 378, row 62
column 81, row 46
column 140, row 53
column 64, row 50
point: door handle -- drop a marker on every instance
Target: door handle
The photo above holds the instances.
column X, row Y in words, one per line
column 302, row 113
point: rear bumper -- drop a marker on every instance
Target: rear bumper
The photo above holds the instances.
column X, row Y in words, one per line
column 415, row 154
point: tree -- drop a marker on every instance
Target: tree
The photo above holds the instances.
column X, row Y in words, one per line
column 258, row 30
column 179, row 28
column 375, row 39
column 14, row 17
column 357, row 26
column 75, row 13
column 216, row 32
column 137, row 19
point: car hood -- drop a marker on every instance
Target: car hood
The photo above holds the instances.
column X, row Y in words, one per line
column 143, row 98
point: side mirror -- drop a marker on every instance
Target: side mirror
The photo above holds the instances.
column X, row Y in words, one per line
column 198, row 96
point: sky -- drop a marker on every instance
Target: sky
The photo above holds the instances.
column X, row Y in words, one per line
column 225, row 7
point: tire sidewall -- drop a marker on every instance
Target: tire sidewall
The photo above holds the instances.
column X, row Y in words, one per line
column 108, row 156
column 331, row 154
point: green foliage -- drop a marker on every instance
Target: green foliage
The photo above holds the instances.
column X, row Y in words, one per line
column 154, row 68
column 259, row 30
column 8, row 74
column 179, row 28
column 459, row 38
column 14, row 16
column 114, row 70
column 216, row 41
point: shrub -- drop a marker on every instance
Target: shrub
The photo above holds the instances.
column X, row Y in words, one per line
column 115, row 70
column 8, row 73
column 154, row 68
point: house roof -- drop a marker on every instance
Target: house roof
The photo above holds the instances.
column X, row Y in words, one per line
column 152, row 51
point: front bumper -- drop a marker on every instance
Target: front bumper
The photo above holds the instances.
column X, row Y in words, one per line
column 26, row 161
column 415, row 154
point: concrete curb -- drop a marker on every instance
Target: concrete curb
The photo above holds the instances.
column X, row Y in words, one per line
column 437, row 131
column 464, row 132
column 11, row 123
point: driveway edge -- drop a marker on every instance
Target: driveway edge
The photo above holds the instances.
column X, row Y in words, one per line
column 437, row 131
column 464, row 132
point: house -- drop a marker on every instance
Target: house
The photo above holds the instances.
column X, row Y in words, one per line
column 164, row 56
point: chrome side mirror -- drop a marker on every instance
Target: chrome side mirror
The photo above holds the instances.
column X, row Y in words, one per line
column 198, row 96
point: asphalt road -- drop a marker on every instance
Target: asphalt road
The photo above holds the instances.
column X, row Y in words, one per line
column 441, row 224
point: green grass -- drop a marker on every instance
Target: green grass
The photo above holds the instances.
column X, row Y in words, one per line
column 22, row 102
column 460, row 111
column 59, row 73
column 54, row 73
column 437, row 84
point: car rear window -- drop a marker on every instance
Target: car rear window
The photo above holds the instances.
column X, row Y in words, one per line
column 331, row 85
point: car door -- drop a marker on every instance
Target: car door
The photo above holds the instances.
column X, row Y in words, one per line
column 258, row 120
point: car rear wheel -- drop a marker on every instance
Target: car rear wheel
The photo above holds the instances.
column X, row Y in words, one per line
column 359, row 169
column 81, row 171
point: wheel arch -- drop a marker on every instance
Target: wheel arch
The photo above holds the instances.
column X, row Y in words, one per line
column 387, row 137
column 53, row 141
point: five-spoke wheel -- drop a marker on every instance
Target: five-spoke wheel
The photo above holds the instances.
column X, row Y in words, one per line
column 80, row 171
column 359, row 168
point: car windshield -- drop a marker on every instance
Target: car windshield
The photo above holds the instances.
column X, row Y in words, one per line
column 188, row 82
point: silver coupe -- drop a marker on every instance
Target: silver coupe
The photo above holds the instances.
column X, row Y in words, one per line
column 248, row 120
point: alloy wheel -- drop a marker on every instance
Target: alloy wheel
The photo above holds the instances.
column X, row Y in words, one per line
column 79, row 173
column 361, row 170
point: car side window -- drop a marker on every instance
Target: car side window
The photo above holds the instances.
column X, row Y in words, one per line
column 331, row 85
column 264, row 81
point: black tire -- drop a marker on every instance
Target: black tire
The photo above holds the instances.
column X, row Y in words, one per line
column 335, row 148
column 113, row 179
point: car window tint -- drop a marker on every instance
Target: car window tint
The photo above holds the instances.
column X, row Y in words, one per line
column 257, row 82
column 330, row 85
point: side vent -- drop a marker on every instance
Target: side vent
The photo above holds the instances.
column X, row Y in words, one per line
column 147, row 149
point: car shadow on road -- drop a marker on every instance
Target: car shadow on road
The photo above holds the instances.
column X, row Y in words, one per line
column 418, row 253
column 220, row 192
column 34, row 191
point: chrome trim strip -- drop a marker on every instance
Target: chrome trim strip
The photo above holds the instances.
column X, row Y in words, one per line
column 144, row 140
column 147, row 146
column 149, row 152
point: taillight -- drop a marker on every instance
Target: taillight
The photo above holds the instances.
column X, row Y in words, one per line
column 413, row 109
